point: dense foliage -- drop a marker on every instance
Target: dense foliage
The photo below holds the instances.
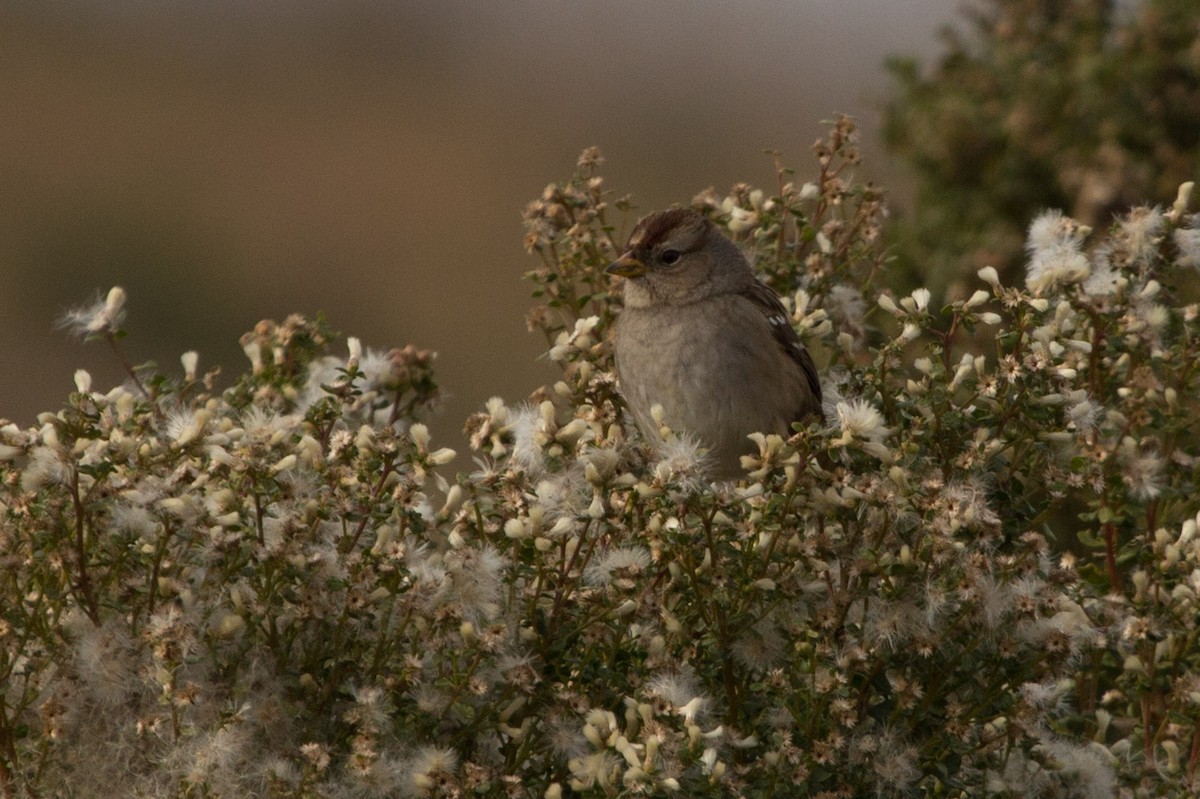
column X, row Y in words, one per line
column 274, row 591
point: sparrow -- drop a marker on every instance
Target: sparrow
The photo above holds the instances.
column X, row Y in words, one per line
column 702, row 337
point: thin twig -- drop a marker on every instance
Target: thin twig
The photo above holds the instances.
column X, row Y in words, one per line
column 84, row 582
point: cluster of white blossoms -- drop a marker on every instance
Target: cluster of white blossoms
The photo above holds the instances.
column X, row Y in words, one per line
column 980, row 575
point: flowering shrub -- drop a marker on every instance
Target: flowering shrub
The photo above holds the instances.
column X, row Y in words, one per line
column 979, row 577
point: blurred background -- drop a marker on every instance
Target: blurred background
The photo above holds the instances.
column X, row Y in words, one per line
column 228, row 161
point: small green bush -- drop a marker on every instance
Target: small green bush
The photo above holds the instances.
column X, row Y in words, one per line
column 274, row 591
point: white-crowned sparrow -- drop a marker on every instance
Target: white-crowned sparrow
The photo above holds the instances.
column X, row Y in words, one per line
column 701, row 336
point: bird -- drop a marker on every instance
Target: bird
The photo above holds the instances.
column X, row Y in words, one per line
column 702, row 337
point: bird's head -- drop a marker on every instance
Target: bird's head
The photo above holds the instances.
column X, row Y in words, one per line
column 677, row 257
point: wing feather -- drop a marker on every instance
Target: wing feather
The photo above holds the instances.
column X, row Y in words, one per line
column 766, row 300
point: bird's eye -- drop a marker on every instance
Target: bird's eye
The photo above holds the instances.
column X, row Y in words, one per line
column 669, row 257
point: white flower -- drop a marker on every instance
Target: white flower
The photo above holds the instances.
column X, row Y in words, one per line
column 682, row 691
column 428, row 763
column 355, row 349
column 101, row 316
column 442, row 456
column 1082, row 414
column 624, row 562
column 46, row 466
column 1055, row 245
column 476, row 587
column 284, row 464
column 253, row 351
column 575, row 340
column 185, row 426
column 1141, row 230
column 189, row 360
column 1142, row 469
column 978, row 298
column 134, row 519
column 1103, row 280
column 681, row 456
column 859, row 419
column 921, row 298
column 916, row 302
column 529, row 438
column 741, row 220
column 1179, row 207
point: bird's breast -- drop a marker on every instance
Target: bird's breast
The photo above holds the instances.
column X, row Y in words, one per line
column 710, row 365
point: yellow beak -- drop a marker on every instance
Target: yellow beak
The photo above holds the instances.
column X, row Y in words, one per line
column 626, row 266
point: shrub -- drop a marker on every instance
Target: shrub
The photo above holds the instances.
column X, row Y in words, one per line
column 275, row 591
column 1090, row 106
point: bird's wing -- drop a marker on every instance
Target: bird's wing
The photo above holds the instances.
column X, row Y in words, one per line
column 766, row 300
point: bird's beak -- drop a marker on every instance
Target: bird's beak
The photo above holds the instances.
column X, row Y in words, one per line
column 626, row 266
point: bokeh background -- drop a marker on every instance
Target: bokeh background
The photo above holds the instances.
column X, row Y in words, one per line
column 228, row 161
